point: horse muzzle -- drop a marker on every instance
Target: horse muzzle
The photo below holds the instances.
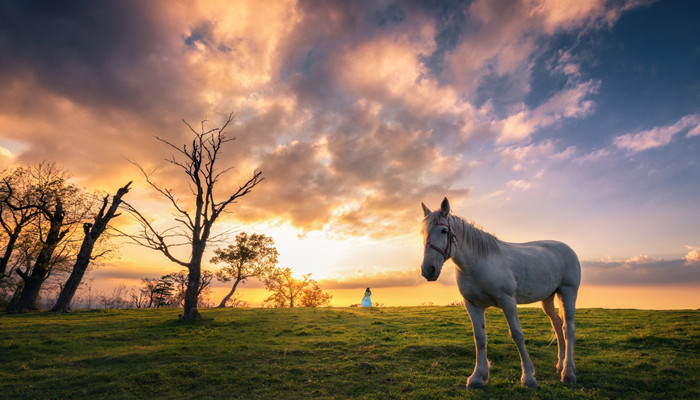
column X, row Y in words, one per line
column 430, row 273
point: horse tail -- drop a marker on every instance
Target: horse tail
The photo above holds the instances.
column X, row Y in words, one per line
column 561, row 317
column 561, row 307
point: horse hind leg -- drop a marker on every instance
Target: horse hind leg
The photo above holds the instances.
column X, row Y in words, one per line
column 548, row 307
column 567, row 297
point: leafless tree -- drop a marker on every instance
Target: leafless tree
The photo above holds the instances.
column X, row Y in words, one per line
column 116, row 299
column 92, row 232
column 179, row 281
column 139, row 299
column 193, row 223
column 236, row 302
column 149, row 291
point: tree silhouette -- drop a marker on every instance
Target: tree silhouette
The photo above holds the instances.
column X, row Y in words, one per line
column 92, row 232
column 60, row 207
column 251, row 256
column 288, row 291
column 16, row 213
column 192, row 226
column 314, row 296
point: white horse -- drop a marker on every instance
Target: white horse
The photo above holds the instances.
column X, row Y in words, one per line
column 493, row 273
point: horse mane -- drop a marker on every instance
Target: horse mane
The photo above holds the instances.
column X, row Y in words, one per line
column 480, row 242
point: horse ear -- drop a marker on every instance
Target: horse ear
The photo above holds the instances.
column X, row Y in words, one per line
column 426, row 210
column 445, row 207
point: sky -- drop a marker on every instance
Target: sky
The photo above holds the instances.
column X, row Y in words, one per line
column 539, row 119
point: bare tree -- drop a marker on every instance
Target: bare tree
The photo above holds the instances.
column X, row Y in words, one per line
column 179, row 281
column 193, row 226
column 92, row 232
column 236, row 302
column 139, row 299
column 253, row 256
column 148, row 291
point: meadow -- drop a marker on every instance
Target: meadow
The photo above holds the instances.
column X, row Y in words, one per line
column 338, row 353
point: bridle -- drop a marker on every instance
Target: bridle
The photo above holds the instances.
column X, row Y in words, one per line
column 450, row 236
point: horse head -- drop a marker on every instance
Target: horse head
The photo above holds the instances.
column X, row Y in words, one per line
column 438, row 237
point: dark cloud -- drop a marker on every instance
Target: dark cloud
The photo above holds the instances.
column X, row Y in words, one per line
column 640, row 271
column 91, row 52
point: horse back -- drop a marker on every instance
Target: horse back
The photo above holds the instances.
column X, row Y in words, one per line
column 563, row 257
column 539, row 268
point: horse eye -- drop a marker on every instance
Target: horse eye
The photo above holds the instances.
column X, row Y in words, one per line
column 444, row 231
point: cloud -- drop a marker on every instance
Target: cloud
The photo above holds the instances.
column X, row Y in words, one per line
column 533, row 154
column 557, row 14
column 593, row 156
column 379, row 280
column 519, row 184
column 567, row 103
column 644, row 270
column 409, row 278
column 693, row 256
column 657, row 136
column 353, row 178
column 354, row 111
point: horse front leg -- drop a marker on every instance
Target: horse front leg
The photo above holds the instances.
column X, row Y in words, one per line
column 510, row 310
column 481, row 371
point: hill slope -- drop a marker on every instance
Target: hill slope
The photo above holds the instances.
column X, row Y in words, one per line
column 379, row 353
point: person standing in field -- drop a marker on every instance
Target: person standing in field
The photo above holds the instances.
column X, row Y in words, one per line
column 366, row 301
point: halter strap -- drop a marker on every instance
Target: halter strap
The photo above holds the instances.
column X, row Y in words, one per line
column 446, row 252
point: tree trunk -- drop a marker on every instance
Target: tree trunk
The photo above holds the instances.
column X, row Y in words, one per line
column 8, row 250
column 32, row 282
column 228, row 296
column 92, row 233
column 79, row 268
column 192, row 293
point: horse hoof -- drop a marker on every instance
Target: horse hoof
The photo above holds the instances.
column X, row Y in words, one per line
column 531, row 382
column 475, row 385
column 568, row 379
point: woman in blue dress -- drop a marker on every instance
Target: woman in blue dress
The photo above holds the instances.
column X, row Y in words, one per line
column 366, row 301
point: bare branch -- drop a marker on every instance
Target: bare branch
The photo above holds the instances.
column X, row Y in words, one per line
column 165, row 192
column 149, row 237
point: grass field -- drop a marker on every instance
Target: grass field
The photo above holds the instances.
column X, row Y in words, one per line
column 344, row 353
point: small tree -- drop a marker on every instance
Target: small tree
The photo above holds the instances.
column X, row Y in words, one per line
column 163, row 293
column 314, row 296
column 148, row 291
column 236, row 302
column 253, row 256
column 288, row 291
column 193, row 225
column 179, row 280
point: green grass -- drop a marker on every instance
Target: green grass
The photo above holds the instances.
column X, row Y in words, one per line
column 343, row 353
